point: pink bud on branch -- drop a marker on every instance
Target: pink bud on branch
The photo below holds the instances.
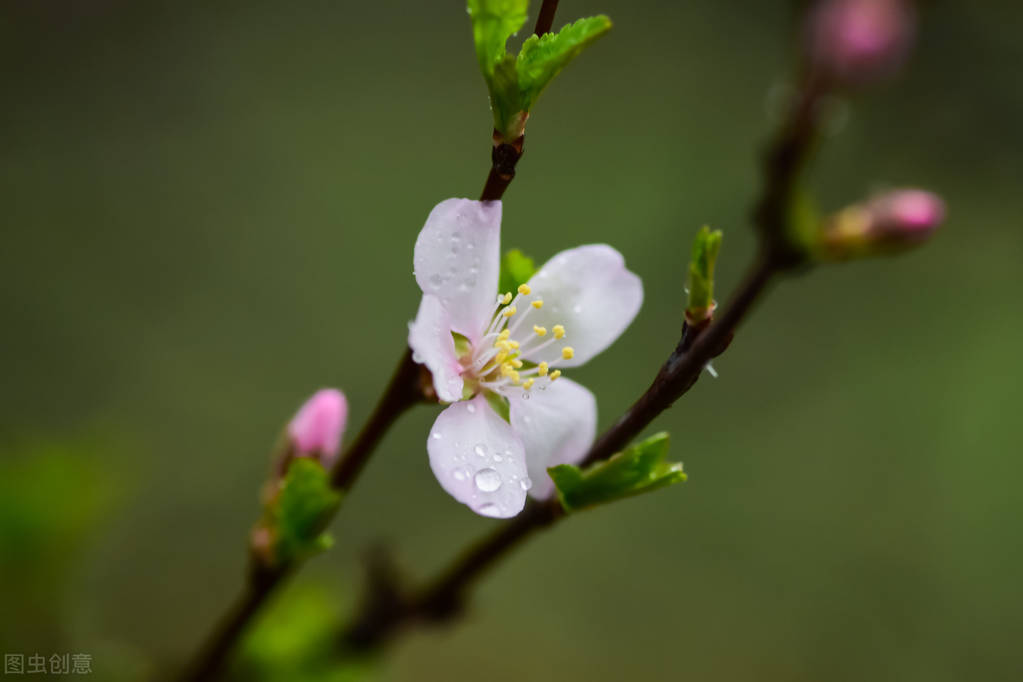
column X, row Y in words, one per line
column 891, row 221
column 857, row 41
column 315, row 430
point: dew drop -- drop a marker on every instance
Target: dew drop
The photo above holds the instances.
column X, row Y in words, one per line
column 480, row 449
column 437, row 435
column 460, row 474
column 525, row 484
column 436, row 281
column 417, row 358
column 470, row 408
column 487, row 480
column 490, row 509
column 525, row 395
column 498, row 458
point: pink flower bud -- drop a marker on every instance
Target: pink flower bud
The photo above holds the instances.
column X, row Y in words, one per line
column 907, row 214
column 316, row 428
column 888, row 222
column 854, row 41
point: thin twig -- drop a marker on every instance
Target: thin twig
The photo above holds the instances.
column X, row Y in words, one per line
column 404, row 390
column 545, row 19
column 441, row 599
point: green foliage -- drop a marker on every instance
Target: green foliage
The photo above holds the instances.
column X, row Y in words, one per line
column 543, row 57
column 462, row 344
column 499, row 404
column 701, row 272
column 516, row 268
column 294, row 640
column 640, row 468
column 54, row 496
column 515, row 83
column 299, row 512
column 493, row 23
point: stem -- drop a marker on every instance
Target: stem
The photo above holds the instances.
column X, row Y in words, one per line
column 383, row 615
column 402, row 393
column 545, row 19
column 404, row 390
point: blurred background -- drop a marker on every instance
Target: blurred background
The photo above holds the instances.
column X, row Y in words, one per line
column 208, row 212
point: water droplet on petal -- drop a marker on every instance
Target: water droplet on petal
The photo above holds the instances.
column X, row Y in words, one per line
column 487, row 480
column 498, row 458
column 460, row 474
column 437, row 435
column 490, row 509
column 526, row 484
column 525, row 395
column 470, row 408
column 436, row 281
column 480, row 449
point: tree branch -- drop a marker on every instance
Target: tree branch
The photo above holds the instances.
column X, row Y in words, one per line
column 383, row 616
column 405, row 389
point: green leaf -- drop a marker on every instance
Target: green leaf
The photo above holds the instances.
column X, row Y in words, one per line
column 493, row 22
column 543, row 57
column 462, row 344
column 499, row 404
column 515, row 82
column 701, row 272
column 516, row 268
column 641, row 468
column 301, row 510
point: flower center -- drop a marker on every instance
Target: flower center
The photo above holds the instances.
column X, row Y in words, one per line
column 496, row 363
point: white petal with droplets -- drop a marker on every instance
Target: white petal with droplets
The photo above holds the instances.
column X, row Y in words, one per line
column 556, row 425
column 457, row 259
column 478, row 459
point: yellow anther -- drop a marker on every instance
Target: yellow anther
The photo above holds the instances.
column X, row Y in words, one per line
column 503, row 336
column 501, row 357
column 509, row 311
column 541, row 369
column 540, row 331
column 555, row 374
column 528, row 384
column 515, row 377
column 513, row 343
column 559, row 331
column 524, row 289
column 506, row 369
column 503, row 345
column 506, row 299
column 567, row 352
column 517, row 364
column 537, row 304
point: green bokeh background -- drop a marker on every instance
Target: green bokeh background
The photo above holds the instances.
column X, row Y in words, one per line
column 208, row 211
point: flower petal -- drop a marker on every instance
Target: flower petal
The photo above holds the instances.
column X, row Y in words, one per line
column 457, row 259
column 430, row 339
column 589, row 291
column 556, row 425
column 478, row 459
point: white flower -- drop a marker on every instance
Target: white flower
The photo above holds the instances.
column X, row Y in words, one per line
column 510, row 347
